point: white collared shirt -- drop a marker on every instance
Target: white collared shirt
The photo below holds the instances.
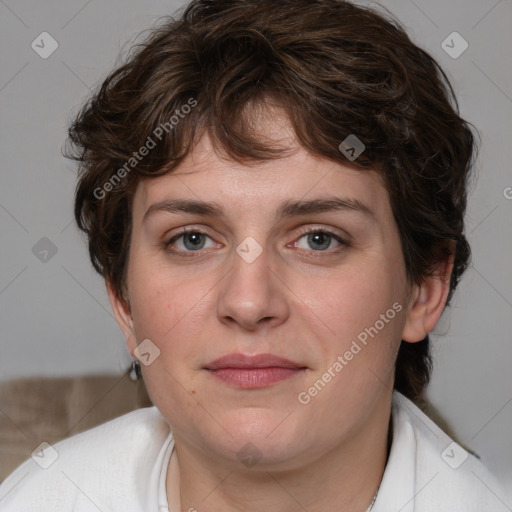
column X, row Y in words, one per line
column 122, row 466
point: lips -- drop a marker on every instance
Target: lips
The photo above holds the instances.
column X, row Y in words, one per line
column 256, row 361
column 256, row 371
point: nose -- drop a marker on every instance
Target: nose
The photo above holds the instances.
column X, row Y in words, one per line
column 252, row 295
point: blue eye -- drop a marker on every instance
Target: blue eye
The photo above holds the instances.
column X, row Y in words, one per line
column 321, row 239
column 192, row 241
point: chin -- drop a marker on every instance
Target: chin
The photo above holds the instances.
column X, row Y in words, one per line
column 257, row 436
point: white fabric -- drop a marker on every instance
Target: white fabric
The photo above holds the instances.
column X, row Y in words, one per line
column 122, row 466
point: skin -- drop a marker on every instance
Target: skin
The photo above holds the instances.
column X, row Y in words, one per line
column 329, row 454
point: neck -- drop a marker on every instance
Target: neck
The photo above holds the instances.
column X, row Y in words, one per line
column 345, row 477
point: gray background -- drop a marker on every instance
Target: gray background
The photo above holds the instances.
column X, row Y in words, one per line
column 55, row 317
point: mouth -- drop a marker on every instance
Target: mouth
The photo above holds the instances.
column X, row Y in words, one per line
column 256, row 371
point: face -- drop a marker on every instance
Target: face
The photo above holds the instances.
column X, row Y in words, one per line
column 323, row 288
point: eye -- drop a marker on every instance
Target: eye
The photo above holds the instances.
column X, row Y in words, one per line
column 188, row 241
column 320, row 240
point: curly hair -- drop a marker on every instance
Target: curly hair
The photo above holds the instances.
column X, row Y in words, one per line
column 336, row 68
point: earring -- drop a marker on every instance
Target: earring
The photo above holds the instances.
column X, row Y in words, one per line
column 134, row 371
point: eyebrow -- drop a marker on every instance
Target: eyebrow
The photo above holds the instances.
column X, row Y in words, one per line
column 287, row 209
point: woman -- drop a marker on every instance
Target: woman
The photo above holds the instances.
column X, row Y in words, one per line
column 274, row 193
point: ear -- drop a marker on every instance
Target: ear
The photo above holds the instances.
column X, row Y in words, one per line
column 123, row 315
column 427, row 301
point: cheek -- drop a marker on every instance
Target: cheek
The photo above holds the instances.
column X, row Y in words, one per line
column 171, row 308
column 157, row 303
column 164, row 310
column 364, row 312
column 354, row 300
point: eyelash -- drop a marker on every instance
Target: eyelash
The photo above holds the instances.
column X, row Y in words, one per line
column 307, row 231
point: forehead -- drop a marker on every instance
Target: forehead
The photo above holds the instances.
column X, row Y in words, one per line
column 208, row 175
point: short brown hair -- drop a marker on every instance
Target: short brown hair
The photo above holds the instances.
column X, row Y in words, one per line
column 337, row 69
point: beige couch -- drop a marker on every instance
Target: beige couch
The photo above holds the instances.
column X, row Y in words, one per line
column 50, row 409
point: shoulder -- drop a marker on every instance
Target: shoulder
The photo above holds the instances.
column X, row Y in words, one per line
column 89, row 470
column 442, row 475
